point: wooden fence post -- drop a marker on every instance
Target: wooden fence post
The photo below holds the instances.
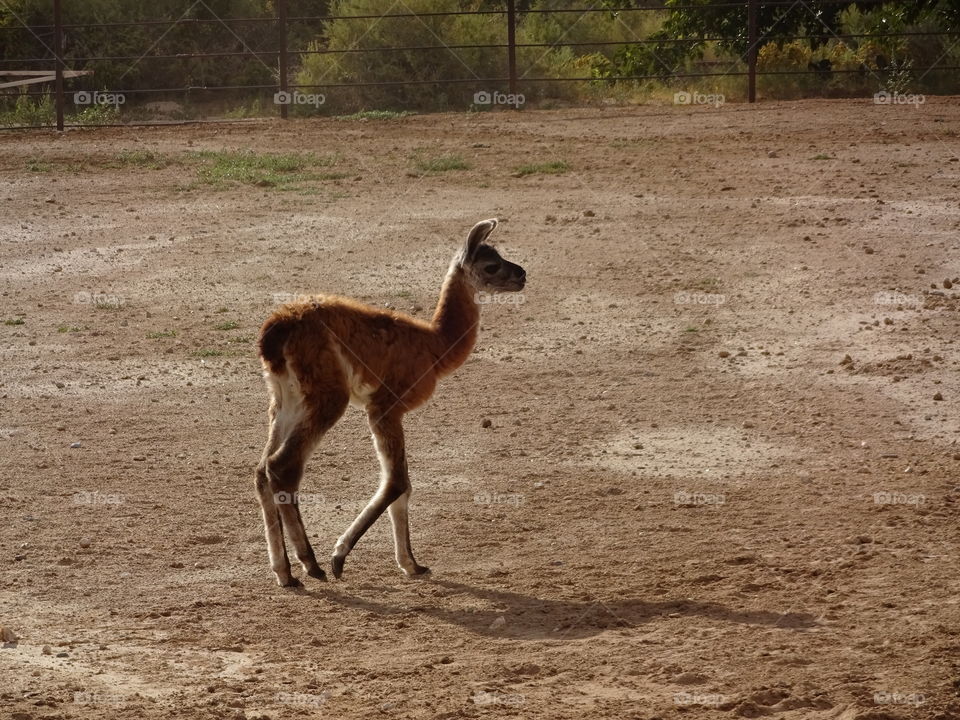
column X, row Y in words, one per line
column 58, row 59
column 512, row 44
column 282, row 28
column 753, row 37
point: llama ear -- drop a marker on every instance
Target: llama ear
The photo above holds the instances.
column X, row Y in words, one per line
column 477, row 235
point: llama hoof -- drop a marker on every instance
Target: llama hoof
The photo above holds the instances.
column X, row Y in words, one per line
column 337, row 566
column 292, row 582
column 418, row 571
column 318, row 573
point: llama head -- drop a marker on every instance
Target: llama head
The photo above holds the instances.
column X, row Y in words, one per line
column 484, row 266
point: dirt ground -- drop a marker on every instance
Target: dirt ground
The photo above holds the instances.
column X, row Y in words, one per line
column 721, row 475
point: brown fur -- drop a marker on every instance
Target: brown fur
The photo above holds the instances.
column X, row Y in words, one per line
column 401, row 356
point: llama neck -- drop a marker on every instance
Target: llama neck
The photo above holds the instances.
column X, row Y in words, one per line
column 456, row 320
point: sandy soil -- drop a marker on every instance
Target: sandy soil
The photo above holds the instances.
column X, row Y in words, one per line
column 690, row 503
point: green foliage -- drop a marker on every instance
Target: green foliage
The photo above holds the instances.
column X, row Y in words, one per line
column 410, row 78
column 433, row 164
column 376, row 115
column 140, row 159
column 710, row 37
column 226, row 168
column 555, row 167
column 29, row 112
column 142, row 43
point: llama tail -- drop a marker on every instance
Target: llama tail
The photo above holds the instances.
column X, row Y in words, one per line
column 273, row 339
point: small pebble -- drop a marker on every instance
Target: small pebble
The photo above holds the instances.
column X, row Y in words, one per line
column 499, row 623
column 938, row 397
column 75, row 445
column 486, row 422
column 84, row 542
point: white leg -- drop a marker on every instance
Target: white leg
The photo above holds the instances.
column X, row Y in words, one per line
column 399, row 518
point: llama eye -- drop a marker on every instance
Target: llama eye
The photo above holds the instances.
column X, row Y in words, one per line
column 491, row 269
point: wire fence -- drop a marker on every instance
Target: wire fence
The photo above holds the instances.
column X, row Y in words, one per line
column 50, row 73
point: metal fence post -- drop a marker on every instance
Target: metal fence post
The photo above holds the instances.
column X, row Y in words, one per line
column 512, row 44
column 58, row 59
column 282, row 28
column 753, row 37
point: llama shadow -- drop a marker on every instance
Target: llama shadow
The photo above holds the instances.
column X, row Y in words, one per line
column 532, row 618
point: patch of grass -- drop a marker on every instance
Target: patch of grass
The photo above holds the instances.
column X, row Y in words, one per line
column 376, row 115
column 228, row 325
column 692, row 329
column 431, row 165
column 404, row 294
column 549, row 168
column 251, row 109
column 29, row 112
column 38, row 166
column 207, row 352
column 14, row 321
column 241, row 340
column 161, row 334
column 225, row 168
column 822, row 156
column 139, row 159
column 68, row 329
